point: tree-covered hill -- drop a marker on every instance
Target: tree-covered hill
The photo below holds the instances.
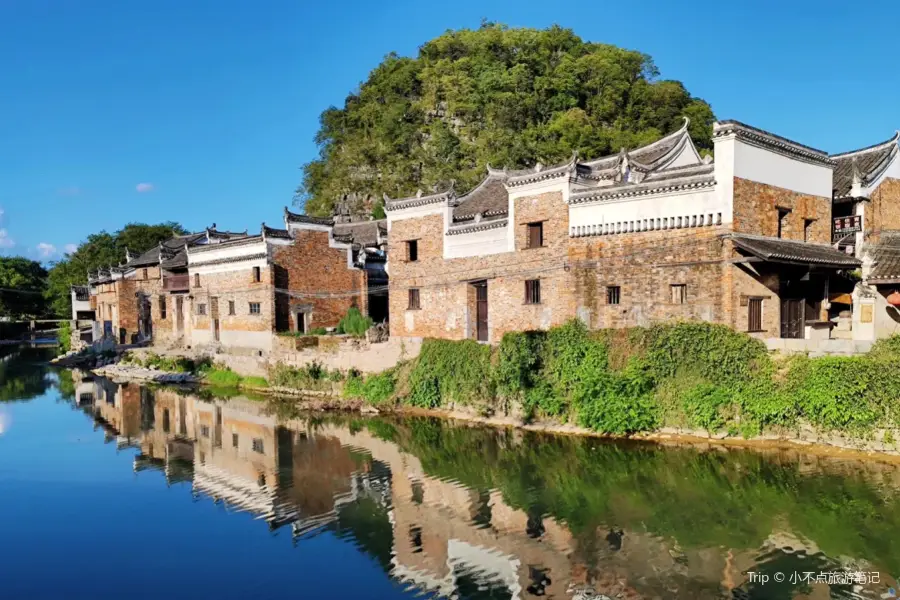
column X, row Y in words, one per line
column 495, row 95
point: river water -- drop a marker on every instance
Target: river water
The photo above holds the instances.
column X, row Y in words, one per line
column 121, row 491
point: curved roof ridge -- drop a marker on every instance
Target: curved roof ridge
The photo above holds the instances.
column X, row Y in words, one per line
column 492, row 175
column 681, row 131
column 873, row 147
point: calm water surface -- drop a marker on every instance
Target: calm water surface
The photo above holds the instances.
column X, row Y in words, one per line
column 120, row 491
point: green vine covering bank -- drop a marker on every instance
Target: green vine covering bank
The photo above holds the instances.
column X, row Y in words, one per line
column 693, row 375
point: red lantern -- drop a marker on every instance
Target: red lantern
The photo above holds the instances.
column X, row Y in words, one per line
column 894, row 298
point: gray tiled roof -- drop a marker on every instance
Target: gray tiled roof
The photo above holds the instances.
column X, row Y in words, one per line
column 489, row 197
column 179, row 261
column 869, row 161
column 275, row 233
column 362, row 233
column 794, row 251
column 292, row 217
column 886, row 257
column 174, row 244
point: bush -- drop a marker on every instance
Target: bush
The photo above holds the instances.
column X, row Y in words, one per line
column 451, row 371
column 887, row 348
column 253, row 381
column 222, row 377
column 705, row 406
column 312, row 376
column 64, row 335
column 354, row 323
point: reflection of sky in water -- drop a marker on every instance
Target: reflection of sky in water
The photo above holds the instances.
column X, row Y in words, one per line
column 182, row 496
column 5, row 421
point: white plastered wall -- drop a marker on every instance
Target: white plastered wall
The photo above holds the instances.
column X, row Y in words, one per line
column 704, row 207
column 771, row 168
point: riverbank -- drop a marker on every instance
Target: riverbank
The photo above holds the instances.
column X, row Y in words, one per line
column 685, row 381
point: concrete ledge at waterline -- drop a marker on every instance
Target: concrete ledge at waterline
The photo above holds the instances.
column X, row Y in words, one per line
column 831, row 347
column 136, row 373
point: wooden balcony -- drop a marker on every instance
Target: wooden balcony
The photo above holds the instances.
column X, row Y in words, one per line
column 842, row 227
column 176, row 283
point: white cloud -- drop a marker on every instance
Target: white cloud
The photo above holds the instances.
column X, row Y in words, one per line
column 46, row 250
column 144, row 187
column 70, row 248
column 5, row 240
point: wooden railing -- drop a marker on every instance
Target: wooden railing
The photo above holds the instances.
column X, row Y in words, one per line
column 176, row 283
column 842, row 227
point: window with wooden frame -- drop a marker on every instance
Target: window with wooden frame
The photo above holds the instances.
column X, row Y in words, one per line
column 204, row 430
column 254, row 308
column 533, row 291
column 613, row 294
column 754, row 315
column 196, row 279
column 535, row 235
column 144, row 274
column 412, row 250
column 231, row 310
column 201, row 309
column 234, row 440
column 679, row 293
column 258, row 445
column 414, row 301
column 257, row 275
column 782, row 220
column 162, row 307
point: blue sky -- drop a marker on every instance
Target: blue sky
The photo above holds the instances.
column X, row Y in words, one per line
column 203, row 111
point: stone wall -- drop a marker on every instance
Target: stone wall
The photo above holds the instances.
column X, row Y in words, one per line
column 310, row 266
column 241, row 330
column 645, row 266
column 882, row 211
column 756, row 212
column 447, row 298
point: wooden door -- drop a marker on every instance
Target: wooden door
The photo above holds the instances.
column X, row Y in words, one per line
column 792, row 318
column 481, row 311
column 179, row 314
column 214, row 315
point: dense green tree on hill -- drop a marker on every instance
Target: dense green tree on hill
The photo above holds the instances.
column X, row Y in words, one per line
column 495, row 95
column 22, row 282
column 102, row 250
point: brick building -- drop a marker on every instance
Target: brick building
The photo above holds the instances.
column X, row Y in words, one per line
column 302, row 277
column 131, row 301
column 742, row 237
column 867, row 223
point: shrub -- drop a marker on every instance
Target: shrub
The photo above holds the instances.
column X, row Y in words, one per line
column 451, row 371
column 253, row 381
column 716, row 352
column 618, row 403
column 354, row 323
column 887, row 348
column 705, row 404
column 64, row 335
column 222, row 377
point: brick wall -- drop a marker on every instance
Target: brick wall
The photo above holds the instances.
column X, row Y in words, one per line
column 447, row 299
column 882, row 211
column 756, row 212
column 644, row 266
column 241, row 329
column 310, row 266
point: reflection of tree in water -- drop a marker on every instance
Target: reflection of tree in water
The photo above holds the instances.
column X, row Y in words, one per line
column 23, row 372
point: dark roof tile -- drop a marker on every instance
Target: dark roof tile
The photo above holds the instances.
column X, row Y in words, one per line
column 886, row 258
column 793, row 251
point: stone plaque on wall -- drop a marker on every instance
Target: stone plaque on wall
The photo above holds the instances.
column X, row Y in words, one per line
column 866, row 313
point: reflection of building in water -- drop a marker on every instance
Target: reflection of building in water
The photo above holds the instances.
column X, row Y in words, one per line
column 426, row 531
column 454, row 540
